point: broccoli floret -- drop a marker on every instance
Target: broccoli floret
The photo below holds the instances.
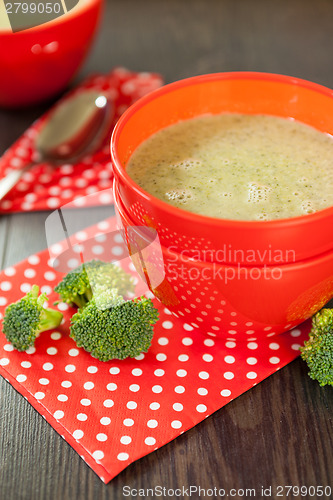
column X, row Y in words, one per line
column 124, row 329
column 78, row 286
column 318, row 350
column 25, row 319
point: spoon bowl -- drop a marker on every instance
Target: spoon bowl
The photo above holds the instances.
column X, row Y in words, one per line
column 77, row 126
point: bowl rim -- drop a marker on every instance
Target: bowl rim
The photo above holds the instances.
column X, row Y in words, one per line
column 191, row 217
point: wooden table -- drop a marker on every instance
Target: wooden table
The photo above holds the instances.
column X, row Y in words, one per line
column 280, row 432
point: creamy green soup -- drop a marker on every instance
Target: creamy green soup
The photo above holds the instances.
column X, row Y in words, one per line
column 233, row 166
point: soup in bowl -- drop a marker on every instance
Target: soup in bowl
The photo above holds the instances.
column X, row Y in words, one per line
column 294, row 238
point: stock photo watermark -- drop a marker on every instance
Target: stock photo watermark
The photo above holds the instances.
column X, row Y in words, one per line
column 20, row 15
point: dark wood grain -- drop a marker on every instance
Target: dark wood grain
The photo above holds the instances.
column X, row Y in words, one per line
column 278, row 433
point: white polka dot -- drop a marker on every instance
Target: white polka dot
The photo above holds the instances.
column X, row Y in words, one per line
column 92, row 369
column 58, row 414
column 187, row 327
column 134, row 387
column 8, row 347
column 177, row 406
column 62, row 398
column 73, row 352
column 179, row 389
column 78, row 434
column 128, row 422
column 101, row 437
column 209, row 342
column 157, row 389
column 154, row 406
column 66, row 384
column 105, row 421
column 55, row 336
column 29, row 273
column 70, row 368
column 181, row 373
column 117, row 250
column 10, row 271
column 3, row 300
column 163, row 341
column 207, row 357
column 230, row 345
column 51, row 351
column 85, row 402
column 274, row 346
column 97, row 249
column 123, row 456
column 229, row 359
column 98, row 455
column 187, row 341
column 31, row 350
column 137, row 372
column 159, row 372
column 39, row 395
column 51, row 202
column 108, row 403
column 203, row 375
column 274, row 360
column 110, row 387
column 73, row 263
column 125, row 439
column 49, row 276
column 176, row 424
column 201, row 408
column 167, row 325
column 228, row 375
column 183, row 357
column 5, row 286
column 225, row 393
column 47, row 289
column 202, row 391
column 251, row 361
column 150, row 441
column 132, row 405
column 252, row 345
column 295, row 332
column 251, row 375
column 88, row 386
column 114, row 370
column 141, row 356
column 43, row 381
column 161, row 357
column 295, row 347
column 152, row 424
column 47, row 367
column 82, row 417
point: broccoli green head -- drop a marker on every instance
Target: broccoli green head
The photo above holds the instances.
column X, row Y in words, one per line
column 318, row 349
column 78, row 286
column 123, row 330
column 25, row 319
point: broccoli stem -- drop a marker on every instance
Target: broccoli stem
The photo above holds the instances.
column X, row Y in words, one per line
column 49, row 320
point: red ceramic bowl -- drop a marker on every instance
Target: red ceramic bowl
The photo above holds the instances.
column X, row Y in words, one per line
column 231, row 301
column 295, row 239
column 38, row 63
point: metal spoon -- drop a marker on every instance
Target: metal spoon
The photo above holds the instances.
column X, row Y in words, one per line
column 76, row 127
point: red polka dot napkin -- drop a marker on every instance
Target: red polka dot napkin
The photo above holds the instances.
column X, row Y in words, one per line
column 45, row 187
column 116, row 412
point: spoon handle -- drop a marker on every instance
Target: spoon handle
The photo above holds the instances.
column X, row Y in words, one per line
column 8, row 182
